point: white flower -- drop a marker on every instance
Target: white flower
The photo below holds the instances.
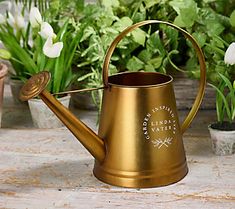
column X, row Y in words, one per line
column 35, row 17
column 229, row 57
column 47, row 31
column 11, row 20
column 17, row 21
column 2, row 19
column 52, row 50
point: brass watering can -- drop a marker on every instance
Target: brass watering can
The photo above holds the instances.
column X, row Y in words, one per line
column 139, row 142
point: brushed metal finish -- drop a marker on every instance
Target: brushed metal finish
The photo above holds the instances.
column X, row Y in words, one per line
column 141, row 131
column 139, row 143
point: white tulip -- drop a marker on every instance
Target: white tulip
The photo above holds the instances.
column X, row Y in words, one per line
column 17, row 21
column 35, row 17
column 2, row 19
column 47, row 31
column 11, row 20
column 9, row 5
column 52, row 50
column 229, row 57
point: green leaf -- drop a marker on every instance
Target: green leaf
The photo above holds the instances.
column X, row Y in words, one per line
column 123, row 23
column 231, row 89
column 84, row 77
column 90, row 48
column 200, row 38
column 109, row 4
column 216, row 49
column 80, row 5
column 126, row 2
column 145, row 55
column 57, row 75
column 19, row 53
column 179, row 22
column 233, row 114
column 189, row 15
column 213, row 26
column 217, row 42
column 73, row 46
column 107, row 39
column 149, row 68
column 135, row 64
column 150, row 3
column 232, row 18
column 177, row 5
column 231, row 97
column 221, row 95
column 42, row 62
column 139, row 36
column 139, row 16
column 209, row 1
column 88, row 31
column 62, row 31
column 4, row 54
column 156, row 62
column 172, row 35
column 187, row 12
column 154, row 44
column 219, row 104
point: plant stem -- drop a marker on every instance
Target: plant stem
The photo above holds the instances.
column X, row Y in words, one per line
column 16, row 60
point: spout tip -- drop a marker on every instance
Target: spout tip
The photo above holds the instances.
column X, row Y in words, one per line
column 35, row 85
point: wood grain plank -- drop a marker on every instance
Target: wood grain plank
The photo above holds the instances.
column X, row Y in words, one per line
column 44, row 169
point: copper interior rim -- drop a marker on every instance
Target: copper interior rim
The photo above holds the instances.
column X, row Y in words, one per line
column 139, row 79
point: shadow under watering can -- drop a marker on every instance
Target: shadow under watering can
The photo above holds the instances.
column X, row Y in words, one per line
column 139, row 142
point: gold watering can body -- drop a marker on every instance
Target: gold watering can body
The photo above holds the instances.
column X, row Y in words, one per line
column 139, row 142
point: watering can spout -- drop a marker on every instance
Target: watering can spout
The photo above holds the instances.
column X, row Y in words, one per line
column 35, row 86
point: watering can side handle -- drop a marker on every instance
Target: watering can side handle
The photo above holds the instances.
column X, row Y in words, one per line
column 199, row 52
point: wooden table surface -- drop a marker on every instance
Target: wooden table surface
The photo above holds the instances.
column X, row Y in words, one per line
column 50, row 169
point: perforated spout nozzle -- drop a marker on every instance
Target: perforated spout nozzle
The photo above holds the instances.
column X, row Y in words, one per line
column 35, row 85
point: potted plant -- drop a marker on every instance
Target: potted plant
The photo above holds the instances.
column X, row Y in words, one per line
column 207, row 21
column 223, row 131
column 37, row 48
column 141, row 50
column 212, row 23
column 13, row 18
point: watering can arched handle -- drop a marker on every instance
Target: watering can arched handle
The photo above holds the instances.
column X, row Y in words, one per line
column 199, row 52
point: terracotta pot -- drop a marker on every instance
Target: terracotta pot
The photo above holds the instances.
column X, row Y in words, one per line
column 222, row 141
column 3, row 73
column 42, row 116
